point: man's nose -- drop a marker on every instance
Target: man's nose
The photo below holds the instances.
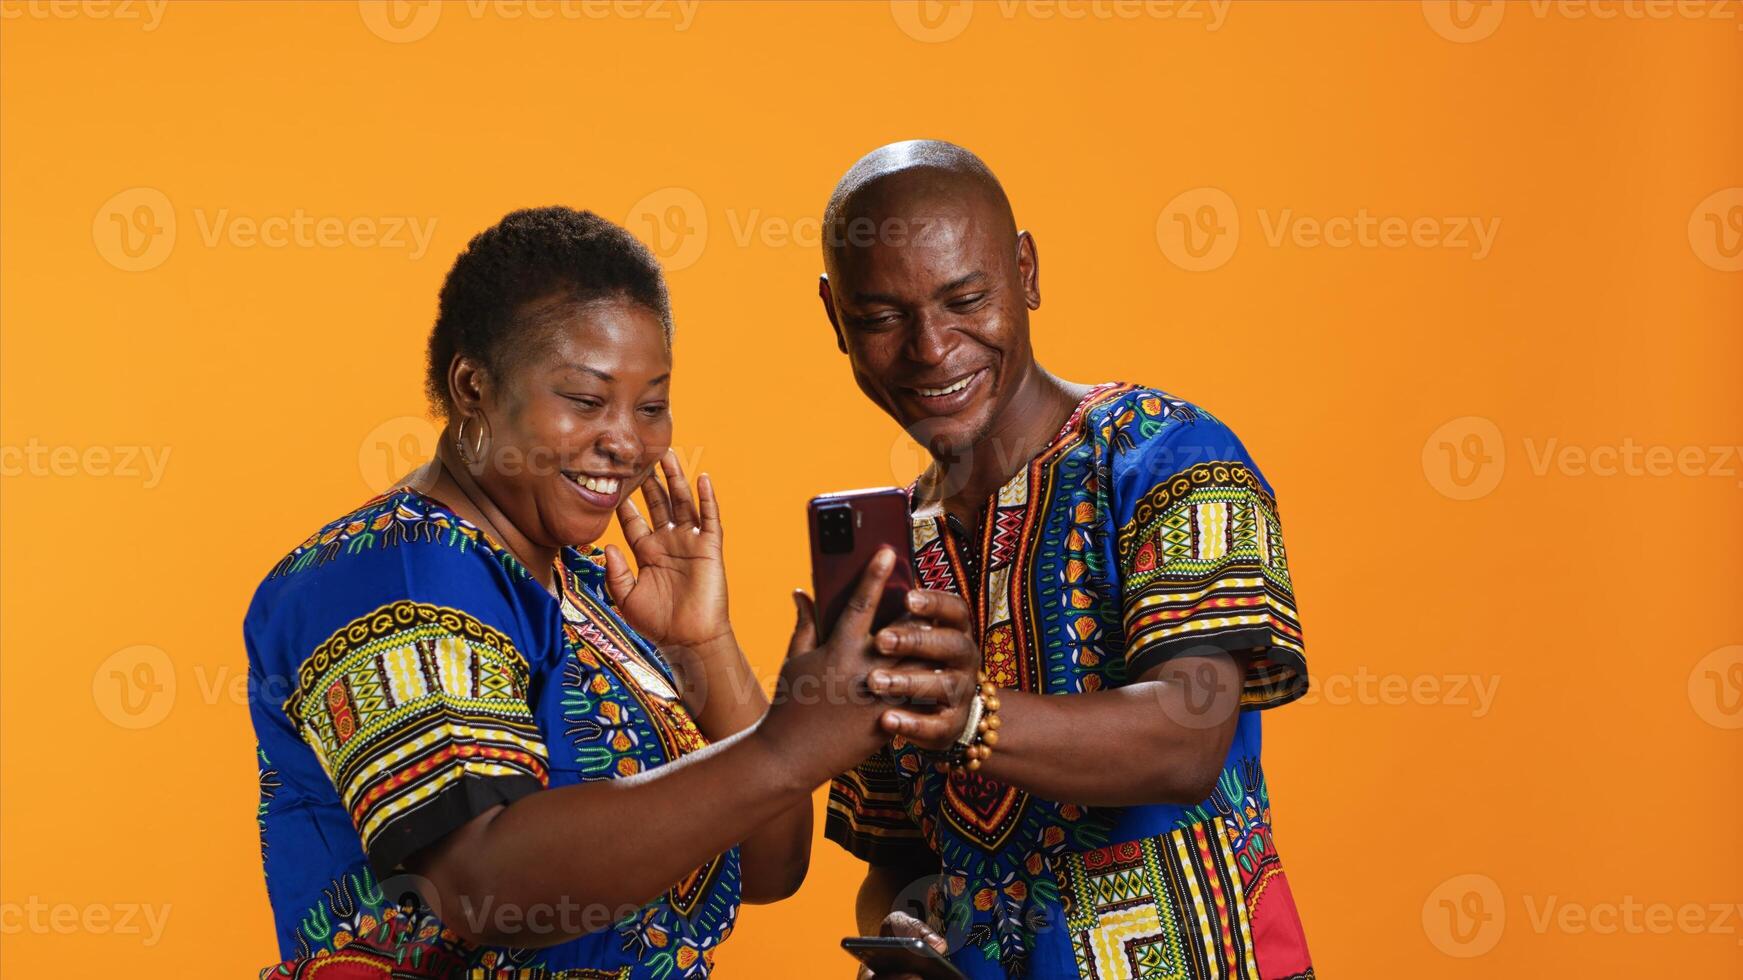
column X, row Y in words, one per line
column 929, row 341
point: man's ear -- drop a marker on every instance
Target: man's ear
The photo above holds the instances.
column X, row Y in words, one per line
column 828, row 298
column 1029, row 269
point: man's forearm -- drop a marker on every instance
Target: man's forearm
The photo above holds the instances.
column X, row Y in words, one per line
column 1161, row 739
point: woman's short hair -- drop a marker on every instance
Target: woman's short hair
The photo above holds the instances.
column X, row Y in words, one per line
column 531, row 255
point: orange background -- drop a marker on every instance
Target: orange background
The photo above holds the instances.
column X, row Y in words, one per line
column 283, row 381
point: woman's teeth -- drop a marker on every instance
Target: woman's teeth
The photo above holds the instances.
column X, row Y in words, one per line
column 947, row 389
column 598, row 484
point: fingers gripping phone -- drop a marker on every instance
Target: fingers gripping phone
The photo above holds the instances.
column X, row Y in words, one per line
column 846, row 531
column 899, row 956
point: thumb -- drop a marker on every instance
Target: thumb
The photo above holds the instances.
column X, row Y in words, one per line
column 805, row 626
column 618, row 578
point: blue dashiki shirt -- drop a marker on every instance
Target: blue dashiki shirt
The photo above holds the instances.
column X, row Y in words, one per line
column 1143, row 532
column 423, row 676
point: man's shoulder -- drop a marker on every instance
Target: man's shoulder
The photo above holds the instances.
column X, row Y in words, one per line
column 1133, row 416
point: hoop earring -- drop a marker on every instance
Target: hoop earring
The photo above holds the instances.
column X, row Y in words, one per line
column 460, row 442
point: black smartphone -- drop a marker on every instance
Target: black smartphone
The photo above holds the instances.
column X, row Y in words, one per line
column 892, row 955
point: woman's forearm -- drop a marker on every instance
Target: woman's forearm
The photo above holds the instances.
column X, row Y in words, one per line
column 531, row 874
column 725, row 697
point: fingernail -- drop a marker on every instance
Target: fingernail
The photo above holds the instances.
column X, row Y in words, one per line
column 878, row 679
column 884, row 558
column 886, row 641
column 915, row 600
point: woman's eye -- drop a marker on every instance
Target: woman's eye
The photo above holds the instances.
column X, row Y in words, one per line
column 654, row 411
column 587, row 403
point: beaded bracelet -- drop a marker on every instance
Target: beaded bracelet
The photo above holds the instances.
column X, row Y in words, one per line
column 981, row 732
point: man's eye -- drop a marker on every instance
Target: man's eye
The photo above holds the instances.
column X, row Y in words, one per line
column 963, row 303
column 876, row 320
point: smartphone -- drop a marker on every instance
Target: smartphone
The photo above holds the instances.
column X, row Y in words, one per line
column 889, row 955
column 846, row 531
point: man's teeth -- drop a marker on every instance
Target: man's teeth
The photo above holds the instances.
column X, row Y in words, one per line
column 937, row 392
column 598, row 484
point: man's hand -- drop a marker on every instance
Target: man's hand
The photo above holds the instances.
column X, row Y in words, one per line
column 905, row 926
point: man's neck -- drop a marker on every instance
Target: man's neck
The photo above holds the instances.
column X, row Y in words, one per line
column 1040, row 406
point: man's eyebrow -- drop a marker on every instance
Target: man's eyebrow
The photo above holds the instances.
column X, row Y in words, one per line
column 972, row 279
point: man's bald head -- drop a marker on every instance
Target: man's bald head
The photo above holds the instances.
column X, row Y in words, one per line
column 929, row 289
column 880, row 194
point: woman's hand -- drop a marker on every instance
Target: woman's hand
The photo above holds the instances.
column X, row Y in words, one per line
column 904, row 926
column 677, row 594
column 838, row 702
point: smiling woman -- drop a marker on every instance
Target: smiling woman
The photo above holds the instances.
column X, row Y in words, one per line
column 476, row 771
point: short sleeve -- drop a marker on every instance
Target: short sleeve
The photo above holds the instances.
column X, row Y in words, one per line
column 1200, row 551
column 868, row 814
column 413, row 690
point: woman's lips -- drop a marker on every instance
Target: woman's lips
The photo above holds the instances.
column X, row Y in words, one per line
column 600, row 491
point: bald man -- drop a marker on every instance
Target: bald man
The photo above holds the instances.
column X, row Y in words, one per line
column 1133, row 606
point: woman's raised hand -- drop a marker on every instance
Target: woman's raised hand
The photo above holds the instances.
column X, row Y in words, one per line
column 677, row 594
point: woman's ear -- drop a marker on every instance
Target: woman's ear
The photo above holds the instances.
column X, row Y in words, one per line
column 467, row 382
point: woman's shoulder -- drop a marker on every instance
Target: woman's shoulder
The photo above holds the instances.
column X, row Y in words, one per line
column 401, row 545
column 401, row 518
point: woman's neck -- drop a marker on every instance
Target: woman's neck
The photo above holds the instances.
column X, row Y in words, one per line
column 450, row 483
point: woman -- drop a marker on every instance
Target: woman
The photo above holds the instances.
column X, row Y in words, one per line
column 505, row 753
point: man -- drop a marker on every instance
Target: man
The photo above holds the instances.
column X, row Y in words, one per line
column 1132, row 604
